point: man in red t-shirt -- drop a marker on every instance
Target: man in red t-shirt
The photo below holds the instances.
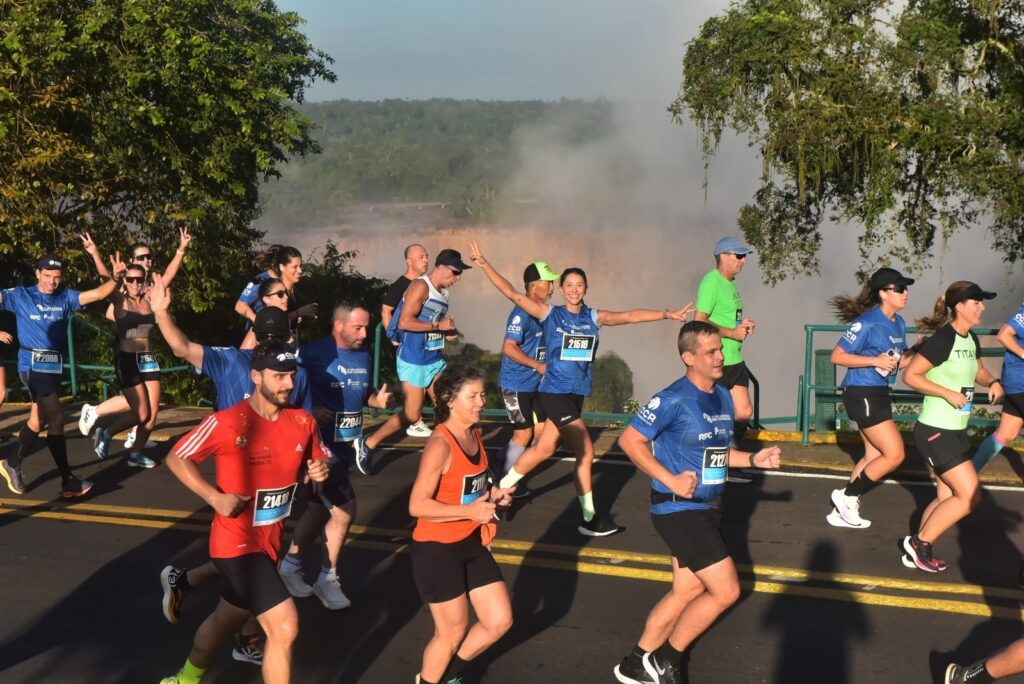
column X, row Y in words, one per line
column 260, row 447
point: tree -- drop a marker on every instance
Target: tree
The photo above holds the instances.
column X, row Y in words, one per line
column 904, row 118
column 134, row 117
column 612, row 385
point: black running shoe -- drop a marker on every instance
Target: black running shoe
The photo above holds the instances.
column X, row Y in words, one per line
column 12, row 474
column 599, row 526
column 75, row 486
column 662, row 672
column 170, row 579
column 631, row 671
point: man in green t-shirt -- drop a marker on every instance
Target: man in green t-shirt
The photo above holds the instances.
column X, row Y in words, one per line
column 719, row 303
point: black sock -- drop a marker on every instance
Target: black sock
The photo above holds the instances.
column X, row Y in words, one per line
column 978, row 674
column 424, row 680
column 667, row 654
column 26, row 440
column 59, row 451
column 862, row 485
column 638, row 652
column 182, row 582
column 455, row 668
column 739, row 431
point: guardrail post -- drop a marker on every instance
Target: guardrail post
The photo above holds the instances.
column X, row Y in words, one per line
column 806, row 403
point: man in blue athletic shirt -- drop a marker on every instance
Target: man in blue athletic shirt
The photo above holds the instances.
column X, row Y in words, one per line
column 681, row 439
column 42, row 312
column 339, row 374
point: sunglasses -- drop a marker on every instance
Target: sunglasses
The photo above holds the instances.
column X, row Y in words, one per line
column 280, row 293
column 898, row 289
column 143, row 257
column 455, row 271
column 738, row 256
column 134, row 279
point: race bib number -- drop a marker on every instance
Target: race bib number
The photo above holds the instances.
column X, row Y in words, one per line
column 578, row 347
column 272, row 505
column 147, row 362
column 47, row 361
column 434, row 341
column 715, row 467
column 542, row 354
column 968, row 392
column 348, row 426
column 473, row 487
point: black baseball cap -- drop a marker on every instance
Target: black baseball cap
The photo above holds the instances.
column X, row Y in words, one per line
column 50, row 263
column 973, row 291
column 272, row 321
column 452, row 259
column 539, row 270
column 885, row 277
column 274, row 355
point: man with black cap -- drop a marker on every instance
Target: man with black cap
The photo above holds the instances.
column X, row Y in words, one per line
column 261, row 445
column 422, row 317
column 523, row 354
column 42, row 312
column 719, row 303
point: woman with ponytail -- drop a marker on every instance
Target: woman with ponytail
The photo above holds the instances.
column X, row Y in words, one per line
column 454, row 500
column 945, row 370
column 873, row 348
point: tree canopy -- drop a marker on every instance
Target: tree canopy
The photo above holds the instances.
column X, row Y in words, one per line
column 134, row 117
column 905, row 118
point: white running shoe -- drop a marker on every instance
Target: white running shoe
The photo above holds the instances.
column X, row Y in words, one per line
column 846, row 512
column 130, row 442
column 87, row 419
column 330, row 594
column 418, row 429
column 295, row 584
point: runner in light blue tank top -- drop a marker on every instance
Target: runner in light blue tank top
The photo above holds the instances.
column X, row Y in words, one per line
column 571, row 334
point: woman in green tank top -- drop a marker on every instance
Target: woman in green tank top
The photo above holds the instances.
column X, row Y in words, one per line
column 945, row 370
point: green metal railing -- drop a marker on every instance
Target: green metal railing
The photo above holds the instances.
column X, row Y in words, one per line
column 828, row 393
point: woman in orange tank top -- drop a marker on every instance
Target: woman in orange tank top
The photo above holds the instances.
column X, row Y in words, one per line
column 454, row 500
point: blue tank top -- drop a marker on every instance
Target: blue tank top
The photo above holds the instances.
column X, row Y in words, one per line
column 571, row 341
column 871, row 334
column 525, row 331
column 425, row 348
column 690, row 430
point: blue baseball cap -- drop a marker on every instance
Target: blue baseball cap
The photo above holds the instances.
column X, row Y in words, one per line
column 731, row 244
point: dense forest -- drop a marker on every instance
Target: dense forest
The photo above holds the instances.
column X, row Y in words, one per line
column 458, row 152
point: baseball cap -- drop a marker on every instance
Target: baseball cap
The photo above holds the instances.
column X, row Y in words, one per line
column 273, row 355
column 271, row 321
column 973, row 291
column 884, row 277
column 731, row 244
column 50, row 263
column 452, row 259
column 538, row 270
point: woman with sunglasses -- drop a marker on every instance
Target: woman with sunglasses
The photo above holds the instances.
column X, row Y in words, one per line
column 272, row 293
column 873, row 348
column 285, row 264
column 137, row 406
column 945, row 370
column 571, row 334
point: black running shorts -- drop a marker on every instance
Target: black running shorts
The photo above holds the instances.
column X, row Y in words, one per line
column 1013, row 405
column 694, row 538
column 445, row 571
column 40, row 385
column 523, row 408
column 128, row 373
column 867, row 406
column 561, row 409
column 734, row 375
column 251, row 582
column 943, row 449
column 337, row 490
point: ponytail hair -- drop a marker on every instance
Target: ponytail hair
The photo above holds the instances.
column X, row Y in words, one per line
column 848, row 308
column 449, row 383
column 944, row 312
column 264, row 261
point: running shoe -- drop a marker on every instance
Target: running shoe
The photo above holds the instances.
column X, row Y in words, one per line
column 521, row 492
column 364, row 457
column 101, row 443
column 141, row 461
column 75, row 486
column 662, row 673
column 599, row 526
column 919, row 554
column 955, row 674
column 130, row 441
column 418, row 429
column 846, row 512
column 631, row 671
column 247, row 649
column 87, row 419
column 330, row 594
column 170, row 579
column 738, row 477
column 13, row 476
column 294, row 582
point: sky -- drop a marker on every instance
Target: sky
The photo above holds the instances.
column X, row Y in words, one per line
column 477, row 49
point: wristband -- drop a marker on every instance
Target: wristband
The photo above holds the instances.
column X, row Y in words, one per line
column 180, row 251
column 752, row 455
column 995, row 381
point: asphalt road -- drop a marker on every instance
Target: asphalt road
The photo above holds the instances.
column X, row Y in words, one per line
column 82, row 598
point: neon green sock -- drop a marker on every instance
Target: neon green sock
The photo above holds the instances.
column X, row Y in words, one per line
column 511, row 479
column 587, row 504
column 190, row 674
